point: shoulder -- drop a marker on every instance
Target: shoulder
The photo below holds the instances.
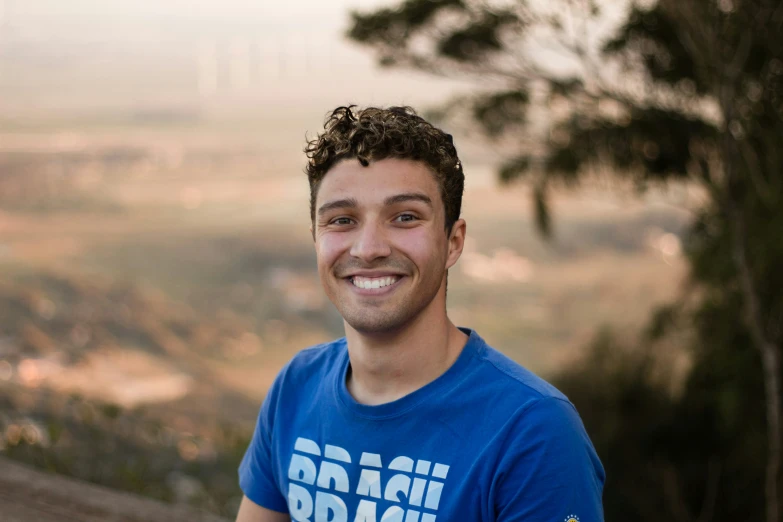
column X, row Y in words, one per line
column 512, row 377
column 318, row 355
column 541, row 462
column 521, row 400
column 303, row 376
column 314, row 362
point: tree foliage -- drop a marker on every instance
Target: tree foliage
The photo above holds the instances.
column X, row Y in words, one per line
column 679, row 91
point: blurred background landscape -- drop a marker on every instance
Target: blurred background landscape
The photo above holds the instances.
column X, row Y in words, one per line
column 156, row 269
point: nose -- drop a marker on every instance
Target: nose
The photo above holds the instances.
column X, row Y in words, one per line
column 370, row 243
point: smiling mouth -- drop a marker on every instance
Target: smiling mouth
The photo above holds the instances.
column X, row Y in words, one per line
column 370, row 283
column 374, row 285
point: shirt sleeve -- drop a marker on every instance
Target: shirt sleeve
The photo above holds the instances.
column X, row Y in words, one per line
column 550, row 471
column 257, row 469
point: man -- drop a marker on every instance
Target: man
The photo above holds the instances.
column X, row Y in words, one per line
column 407, row 418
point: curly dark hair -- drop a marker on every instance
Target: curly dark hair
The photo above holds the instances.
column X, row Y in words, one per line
column 373, row 134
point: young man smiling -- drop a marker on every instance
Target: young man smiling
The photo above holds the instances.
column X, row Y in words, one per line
column 408, row 418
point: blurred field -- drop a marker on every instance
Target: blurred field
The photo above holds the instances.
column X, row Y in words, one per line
column 154, row 279
column 211, row 224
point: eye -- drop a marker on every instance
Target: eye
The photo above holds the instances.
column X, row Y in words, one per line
column 340, row 221
column 406, row 218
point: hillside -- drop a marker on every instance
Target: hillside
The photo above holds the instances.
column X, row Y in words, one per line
column 29, row 495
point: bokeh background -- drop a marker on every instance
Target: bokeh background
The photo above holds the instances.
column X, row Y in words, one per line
column 623, row 200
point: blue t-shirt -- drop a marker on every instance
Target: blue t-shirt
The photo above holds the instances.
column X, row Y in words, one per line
column 486, row 441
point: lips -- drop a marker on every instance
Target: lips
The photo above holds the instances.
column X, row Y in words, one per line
column 373, row 282
column 377, row 285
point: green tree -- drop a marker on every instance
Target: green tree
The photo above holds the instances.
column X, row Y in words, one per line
column 678, row 91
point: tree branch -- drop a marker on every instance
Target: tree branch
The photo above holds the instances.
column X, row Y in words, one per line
column 769, row 351
column 711, row 490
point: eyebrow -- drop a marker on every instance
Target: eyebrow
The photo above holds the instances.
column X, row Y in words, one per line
column 339, row 203
column 411, row 196
column 391, row 200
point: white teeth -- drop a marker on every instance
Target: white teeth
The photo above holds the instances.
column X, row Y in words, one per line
column 372, row 283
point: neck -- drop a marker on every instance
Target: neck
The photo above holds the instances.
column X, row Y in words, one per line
column 389, row 365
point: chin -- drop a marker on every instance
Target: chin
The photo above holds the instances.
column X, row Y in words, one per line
column 376, row 323
column 373, row 326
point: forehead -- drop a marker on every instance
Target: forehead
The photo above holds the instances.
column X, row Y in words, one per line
column 379, row 179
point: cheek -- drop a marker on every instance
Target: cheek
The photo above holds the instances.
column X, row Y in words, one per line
column 421, row 247
column 328, row 249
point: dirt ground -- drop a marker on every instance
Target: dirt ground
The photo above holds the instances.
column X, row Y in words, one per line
column 28, row 495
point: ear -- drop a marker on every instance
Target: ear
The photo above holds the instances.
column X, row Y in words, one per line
column 312, row 233
column 456, row 242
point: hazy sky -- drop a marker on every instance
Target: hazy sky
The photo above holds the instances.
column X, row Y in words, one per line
column 230, row 10
column 93, row 54
column 254, row 59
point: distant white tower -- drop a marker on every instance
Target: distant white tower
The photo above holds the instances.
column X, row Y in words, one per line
column 207, row 68
column 239, row 64
column 295, row 54
column 269, row 58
